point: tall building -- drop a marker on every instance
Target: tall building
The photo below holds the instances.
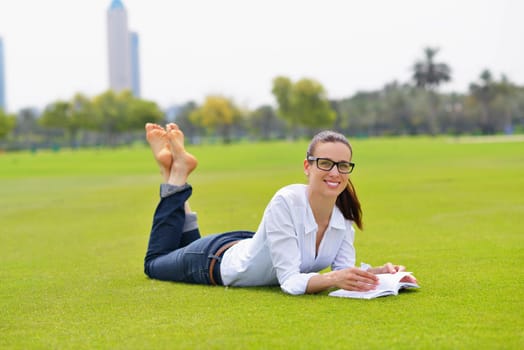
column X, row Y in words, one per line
column 2, row 77
column 135, row 63
column 123, row 51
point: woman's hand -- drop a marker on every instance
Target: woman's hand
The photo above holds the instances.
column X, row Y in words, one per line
column 387, row 268
column 391, row 268
column 350, row 278
column 355, row 279
column 409, row 278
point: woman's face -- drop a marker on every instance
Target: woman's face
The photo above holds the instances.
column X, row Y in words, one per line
column 327, row 183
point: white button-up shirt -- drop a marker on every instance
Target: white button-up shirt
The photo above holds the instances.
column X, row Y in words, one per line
column 283, row 249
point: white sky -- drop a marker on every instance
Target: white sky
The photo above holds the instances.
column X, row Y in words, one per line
column 192, row 48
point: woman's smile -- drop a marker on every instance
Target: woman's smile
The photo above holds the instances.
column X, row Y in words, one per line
column 332, row 184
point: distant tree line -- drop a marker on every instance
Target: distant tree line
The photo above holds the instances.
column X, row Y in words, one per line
column 492, row 105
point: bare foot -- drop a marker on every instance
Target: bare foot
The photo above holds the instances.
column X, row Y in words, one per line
column 157, row 138
column 183, row 162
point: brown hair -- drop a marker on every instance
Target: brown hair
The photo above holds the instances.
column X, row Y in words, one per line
column 347, row 201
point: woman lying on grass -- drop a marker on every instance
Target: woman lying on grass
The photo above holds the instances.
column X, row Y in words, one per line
column 305, row 228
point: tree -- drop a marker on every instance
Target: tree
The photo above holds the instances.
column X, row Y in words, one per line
column 264, row 122
column 397, row 109
column 140, row 112
column 71, row 116
column 82, row 113
column 111, row 113
column 517, row 109
column 120, row 112
column 218, row 114
column 283, row 90
column 359, row 113
column 57, row 115
column 311, row 104
column 487, row 92
column 7, row 123
column 27, row 126
column 183, row 120
column 303, row 103
column 456, row 121
column 484, row 92
column 428, row 74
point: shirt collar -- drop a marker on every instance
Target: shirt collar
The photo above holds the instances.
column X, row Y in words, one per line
column 337, row 220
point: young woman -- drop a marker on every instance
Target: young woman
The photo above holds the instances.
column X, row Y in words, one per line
column 305, row 228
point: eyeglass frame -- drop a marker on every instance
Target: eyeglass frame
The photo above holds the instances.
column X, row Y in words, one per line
column 316, row 159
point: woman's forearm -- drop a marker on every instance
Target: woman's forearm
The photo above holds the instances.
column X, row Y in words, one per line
column 350, row 278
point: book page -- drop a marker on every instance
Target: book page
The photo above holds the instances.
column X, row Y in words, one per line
column 391, row 281
column 360, row 295
column 389, row 284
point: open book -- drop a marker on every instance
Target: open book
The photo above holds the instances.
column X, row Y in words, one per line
column 389, row 284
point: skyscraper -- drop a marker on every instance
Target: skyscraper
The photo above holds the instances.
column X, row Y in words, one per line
column 123, row 51
column 2, row 77
column 135, row 63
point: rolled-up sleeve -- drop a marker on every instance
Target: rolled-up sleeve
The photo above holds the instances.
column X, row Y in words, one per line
column 297, row 284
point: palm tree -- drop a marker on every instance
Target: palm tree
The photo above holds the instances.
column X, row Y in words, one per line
column 486, row 91
column 428, row 75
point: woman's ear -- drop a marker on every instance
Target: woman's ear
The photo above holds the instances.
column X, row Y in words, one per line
column 306, row 167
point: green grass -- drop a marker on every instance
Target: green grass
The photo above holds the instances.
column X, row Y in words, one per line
column 74, row 228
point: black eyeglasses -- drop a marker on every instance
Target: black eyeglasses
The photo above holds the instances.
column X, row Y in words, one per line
column 327, row 164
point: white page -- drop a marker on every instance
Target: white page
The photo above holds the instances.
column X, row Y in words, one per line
column 388, row 285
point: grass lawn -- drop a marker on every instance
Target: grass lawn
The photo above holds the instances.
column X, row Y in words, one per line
column 74, row 228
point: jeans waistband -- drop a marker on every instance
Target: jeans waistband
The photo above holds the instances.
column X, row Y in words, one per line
column 214, row 265
column 217, row 249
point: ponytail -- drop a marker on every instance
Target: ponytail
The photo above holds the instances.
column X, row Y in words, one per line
column 349, row 205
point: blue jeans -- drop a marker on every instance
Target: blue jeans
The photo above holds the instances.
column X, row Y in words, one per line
column 174, row 255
